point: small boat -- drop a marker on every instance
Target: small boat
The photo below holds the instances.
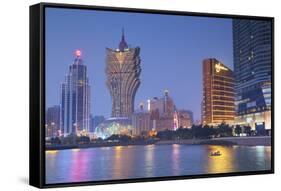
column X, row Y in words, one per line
column 216, row 153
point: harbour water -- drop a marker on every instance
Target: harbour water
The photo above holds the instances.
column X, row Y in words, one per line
column 142, row 161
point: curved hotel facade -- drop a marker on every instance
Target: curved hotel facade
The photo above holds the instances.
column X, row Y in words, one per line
column 122, row 72
column 218, row 93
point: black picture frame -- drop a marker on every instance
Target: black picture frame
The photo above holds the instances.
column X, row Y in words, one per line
column 37, row 94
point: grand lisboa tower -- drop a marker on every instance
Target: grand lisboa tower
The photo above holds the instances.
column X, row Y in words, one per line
column 123, row 71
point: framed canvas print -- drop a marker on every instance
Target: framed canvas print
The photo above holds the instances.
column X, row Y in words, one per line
column 122, row 95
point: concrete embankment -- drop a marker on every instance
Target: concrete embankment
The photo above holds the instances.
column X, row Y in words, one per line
column 228, row 141
column 101, row 144
column 248, row 141
column 243, row 141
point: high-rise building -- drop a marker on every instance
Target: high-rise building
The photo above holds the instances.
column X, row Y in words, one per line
column 185, row 118
column 218, row 93
column 141, row 121
column 162, row 113
column 53, row 121
column 75, row 99
column 252, row 68
column 123, row 71
column 164, row 105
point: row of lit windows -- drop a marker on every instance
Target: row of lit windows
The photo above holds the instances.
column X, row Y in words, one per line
column 223, row 88
column 231, row 99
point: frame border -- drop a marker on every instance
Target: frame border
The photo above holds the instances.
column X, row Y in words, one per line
column 37, row 94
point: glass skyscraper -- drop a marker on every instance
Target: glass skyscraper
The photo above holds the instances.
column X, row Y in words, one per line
column 75, row 99
column 252, row 68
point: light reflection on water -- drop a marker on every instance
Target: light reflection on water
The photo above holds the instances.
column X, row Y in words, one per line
column 125, row 162
column 175, row 157
column 223, row 163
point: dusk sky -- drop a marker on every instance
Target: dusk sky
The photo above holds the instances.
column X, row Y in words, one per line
column 172, row 51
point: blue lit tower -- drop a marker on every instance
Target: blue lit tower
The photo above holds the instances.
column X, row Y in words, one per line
column 252, row 68
column 75, row 99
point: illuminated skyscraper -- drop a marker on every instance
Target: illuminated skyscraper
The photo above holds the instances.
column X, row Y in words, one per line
column 123, row 71
column 218, row 93
column 75, row 99
column 252, row 68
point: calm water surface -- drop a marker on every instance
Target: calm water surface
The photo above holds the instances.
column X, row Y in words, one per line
column 123, row 162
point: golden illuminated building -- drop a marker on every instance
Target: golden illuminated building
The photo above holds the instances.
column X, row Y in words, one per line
column 218, row 93
column 122, row 77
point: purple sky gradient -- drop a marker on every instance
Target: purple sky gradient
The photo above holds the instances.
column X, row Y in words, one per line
column 172, row 50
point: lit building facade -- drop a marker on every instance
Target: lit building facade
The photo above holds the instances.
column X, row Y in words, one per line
column 122, row 72
column 53, row 121
column 165, row 123
column 185, row 118
column 114, row 126
column 252, row 67
column 163, row 113
column 75, row 99
column 218, row 93
column 165, row 105
column 141, row 122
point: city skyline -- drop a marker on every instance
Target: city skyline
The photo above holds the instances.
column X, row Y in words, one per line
column 60, row 46
column 151, row 95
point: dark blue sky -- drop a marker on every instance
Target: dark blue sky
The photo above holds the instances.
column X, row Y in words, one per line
column 172, row 50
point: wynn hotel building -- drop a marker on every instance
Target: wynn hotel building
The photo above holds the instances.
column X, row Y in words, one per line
column 218, row 93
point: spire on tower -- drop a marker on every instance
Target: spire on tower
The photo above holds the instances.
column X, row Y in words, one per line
column 123, row 44
column 123, row 34
column 78, row 55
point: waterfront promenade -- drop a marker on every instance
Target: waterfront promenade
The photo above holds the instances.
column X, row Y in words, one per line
column 224, row 141
column 243, row 141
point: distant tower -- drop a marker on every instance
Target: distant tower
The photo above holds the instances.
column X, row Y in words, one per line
column 75, row 99
column 123, row 71
column 141, row 121
column 169, row 106
column 176, row 120
column 53, row 121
